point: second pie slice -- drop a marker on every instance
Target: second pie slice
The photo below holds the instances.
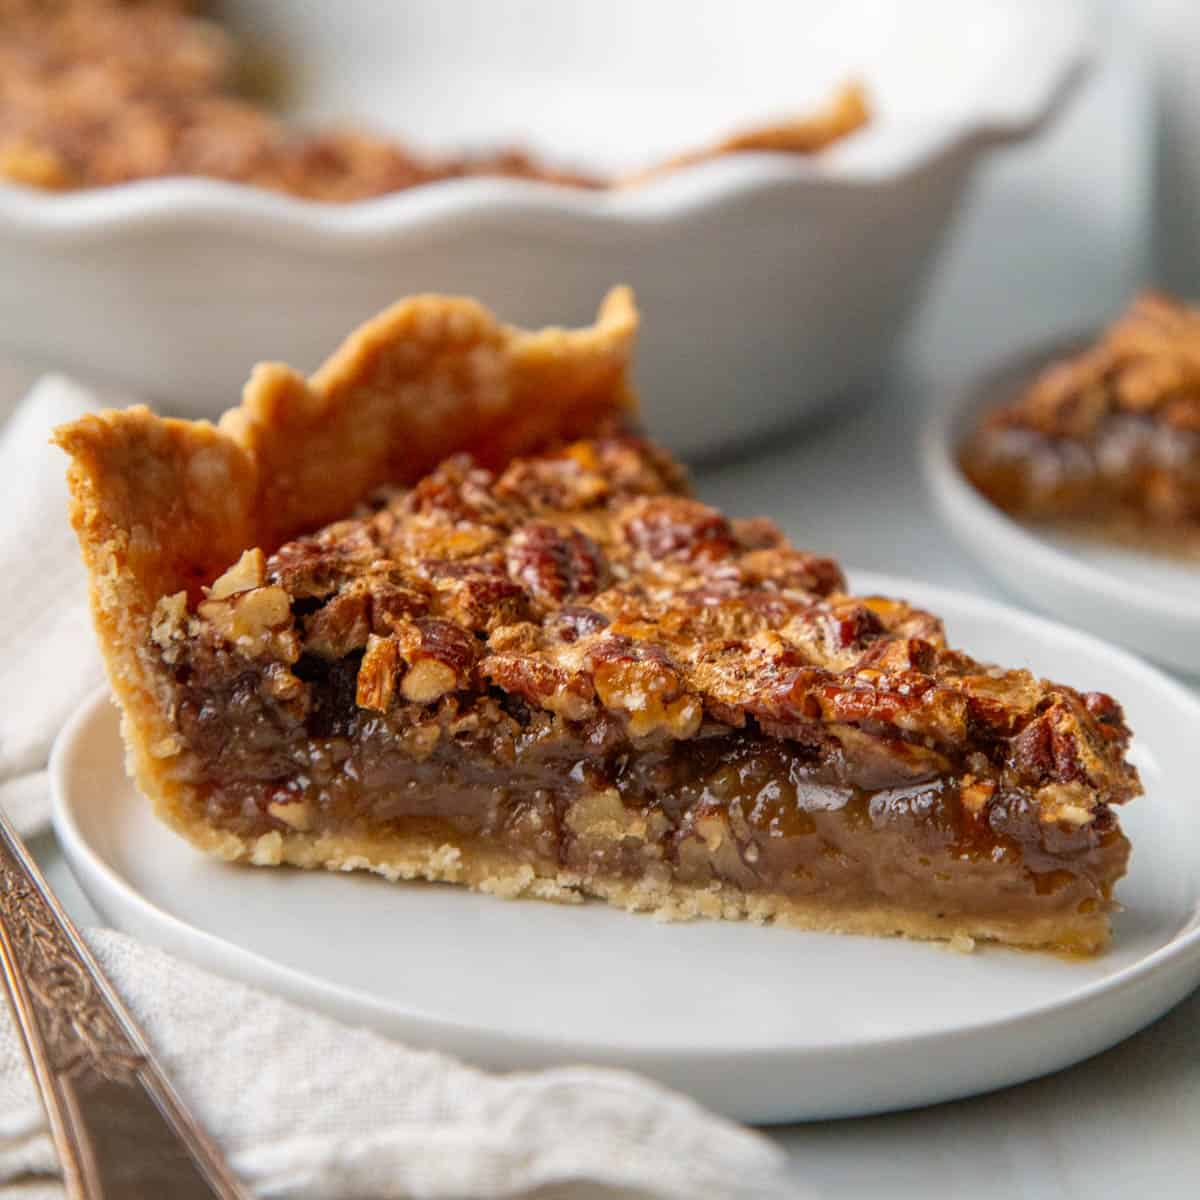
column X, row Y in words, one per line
column 439, row 612
column 1106, row 442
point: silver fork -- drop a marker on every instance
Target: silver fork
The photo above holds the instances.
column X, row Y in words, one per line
column 121, row 1131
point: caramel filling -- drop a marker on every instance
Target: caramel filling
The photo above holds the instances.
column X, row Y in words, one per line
column 730, row 806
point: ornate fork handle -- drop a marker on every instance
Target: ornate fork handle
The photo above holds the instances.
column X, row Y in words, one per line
column 121, row 1131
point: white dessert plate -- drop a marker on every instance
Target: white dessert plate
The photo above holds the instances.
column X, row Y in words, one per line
column 763, row 1024
column 1144, row 601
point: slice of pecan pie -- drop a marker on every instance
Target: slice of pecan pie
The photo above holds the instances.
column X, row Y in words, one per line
column 1107, row 441
column 439, row 613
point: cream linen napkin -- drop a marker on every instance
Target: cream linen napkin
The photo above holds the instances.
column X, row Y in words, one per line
column 304, row 1106
column 48, row 659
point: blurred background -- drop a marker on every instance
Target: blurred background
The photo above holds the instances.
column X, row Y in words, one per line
column 987, row 171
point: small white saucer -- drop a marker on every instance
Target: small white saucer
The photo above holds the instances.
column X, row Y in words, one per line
column 763, row 1024
column 1146, row 602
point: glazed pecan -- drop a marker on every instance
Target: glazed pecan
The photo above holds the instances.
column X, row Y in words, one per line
column 477, row 593
column 542, row 683
column 378, row 674
column 457, row 491
column 390, row 603
column 573, row 621
column 674, row 526
column 440, row 657
column 557, row 564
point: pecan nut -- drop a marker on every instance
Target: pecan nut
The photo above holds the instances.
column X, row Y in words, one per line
column 667, row 527
column 440, row 656
column 378, row 674
column 557, row 564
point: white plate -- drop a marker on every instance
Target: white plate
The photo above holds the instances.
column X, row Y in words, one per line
column 795, row 273
column 1143, row 601
column 764, row 1024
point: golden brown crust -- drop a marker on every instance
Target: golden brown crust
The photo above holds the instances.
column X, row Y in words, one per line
column 162, row 505
column 157, row 505
column 429, row 377
column 843, row 113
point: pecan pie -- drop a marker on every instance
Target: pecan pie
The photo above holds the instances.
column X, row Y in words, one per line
column 98, row 92
column 1108, row 441
column 439, row 612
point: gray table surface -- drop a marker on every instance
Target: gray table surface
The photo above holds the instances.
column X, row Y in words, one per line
column 1053, row 238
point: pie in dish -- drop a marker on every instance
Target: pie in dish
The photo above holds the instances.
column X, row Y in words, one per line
column 1107, row 441
column 100, row 92
column 439, row 612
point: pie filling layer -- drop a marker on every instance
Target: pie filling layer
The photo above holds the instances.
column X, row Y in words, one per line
column 582, row 800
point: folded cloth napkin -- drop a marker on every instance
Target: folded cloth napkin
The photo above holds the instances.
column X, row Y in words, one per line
column 306, row 1107
column 303, row 1106
column 48, row 658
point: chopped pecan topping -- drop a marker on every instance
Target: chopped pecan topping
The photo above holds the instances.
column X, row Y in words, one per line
column 440, row 657
column 541, row 683
column 673, row 526
column 573, row 621
column 787, row 568
column 378, row 674
column 645, row 612
column 258, row 620
column 553, row 484
column 391, row 604
column 457, row 492
column 638, row 678
column 341, row 626
column 318, row 565
column 485, row 601
column 248, row 572
column 1059, row 746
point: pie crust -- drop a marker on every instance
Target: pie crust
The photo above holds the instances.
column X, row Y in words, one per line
column 438, row 612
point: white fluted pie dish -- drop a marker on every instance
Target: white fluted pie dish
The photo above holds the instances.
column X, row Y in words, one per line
column 773, row 283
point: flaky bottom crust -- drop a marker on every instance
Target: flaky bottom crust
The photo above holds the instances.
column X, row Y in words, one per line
column 496, row 872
